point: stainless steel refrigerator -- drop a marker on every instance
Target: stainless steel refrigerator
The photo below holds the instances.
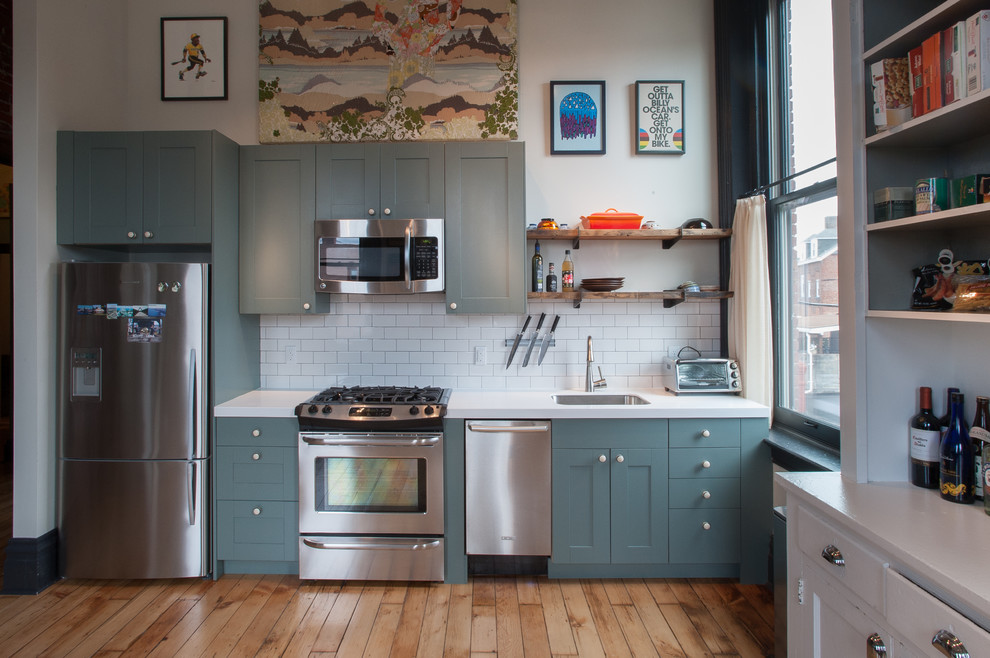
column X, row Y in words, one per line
column 132, row 420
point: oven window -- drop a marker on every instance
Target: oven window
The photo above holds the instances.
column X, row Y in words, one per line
column 361, row 259
column 365, row 484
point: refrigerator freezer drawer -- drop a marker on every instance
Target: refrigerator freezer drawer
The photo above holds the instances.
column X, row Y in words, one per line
column 134, row 519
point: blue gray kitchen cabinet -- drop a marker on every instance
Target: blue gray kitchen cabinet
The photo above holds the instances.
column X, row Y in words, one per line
column 117, row 188
column 609, row 492
column 257, row 491
column 385, row 181
column 277, row 213
column 485, row 231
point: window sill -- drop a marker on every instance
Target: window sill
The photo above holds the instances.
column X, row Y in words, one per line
column 797, row 453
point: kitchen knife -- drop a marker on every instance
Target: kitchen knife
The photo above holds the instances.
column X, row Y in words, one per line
column 532, row 340
column 515, row 343
column 547, row 339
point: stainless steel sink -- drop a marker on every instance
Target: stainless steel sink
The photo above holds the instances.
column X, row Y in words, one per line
column 598, row 399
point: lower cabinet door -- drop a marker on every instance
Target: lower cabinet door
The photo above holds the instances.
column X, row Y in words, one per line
column 708, row 536
column 580, row 517
column 639, row 506
column 258, row 530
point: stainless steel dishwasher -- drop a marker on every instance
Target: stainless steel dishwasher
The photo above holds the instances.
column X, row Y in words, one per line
column 507, row 482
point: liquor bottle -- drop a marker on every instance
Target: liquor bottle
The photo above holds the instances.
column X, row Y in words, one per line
column 956, row 456
column 537, row 269
column 551, row 280
column 943, row 421
column 979, row 434
column 925, row 439
column 567, row 272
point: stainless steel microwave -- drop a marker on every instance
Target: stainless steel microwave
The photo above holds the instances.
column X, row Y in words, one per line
column 379, row 256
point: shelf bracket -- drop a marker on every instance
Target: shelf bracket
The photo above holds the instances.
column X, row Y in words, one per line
column 577, row 300
column 671, row 303
column 670, row 242
column 576, row 244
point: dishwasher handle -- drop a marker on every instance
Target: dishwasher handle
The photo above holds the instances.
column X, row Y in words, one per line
column 515, row 429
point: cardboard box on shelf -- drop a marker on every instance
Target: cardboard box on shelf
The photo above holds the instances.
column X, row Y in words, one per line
column 953, row 63
column 978, row 52
column 931, row 66
column 917, row 82
column 891, row 92
column 892, row 203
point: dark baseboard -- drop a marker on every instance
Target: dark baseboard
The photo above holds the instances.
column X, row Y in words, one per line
column 31, row 564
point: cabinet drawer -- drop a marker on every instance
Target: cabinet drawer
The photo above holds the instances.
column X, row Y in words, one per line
column 265, row 530
column 257, row 431
column 704, row 462
column 862, row 572
column 263, row 473
column 918, row 616
column 704, row 432
column 704, row 536
column 690, row 493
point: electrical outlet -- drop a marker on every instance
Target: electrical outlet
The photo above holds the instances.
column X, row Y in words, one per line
column 480, row 355
column 290, row 354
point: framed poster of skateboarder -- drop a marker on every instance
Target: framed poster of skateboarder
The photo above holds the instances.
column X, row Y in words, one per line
column 194, row 59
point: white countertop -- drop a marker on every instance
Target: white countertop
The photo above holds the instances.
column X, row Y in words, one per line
column 486, row 403
column 940, row 545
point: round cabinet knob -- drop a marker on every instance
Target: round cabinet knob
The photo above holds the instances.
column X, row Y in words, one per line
column 706, row 433
column 162, row 286
column 706, row 494
column 255, row 432
column 706, row 526
column 620, row 459
column 602, row 458
column 371, row 212
column 149, row 234
column 706, row 464
column 131, row 234
column 306, row 306
column 387, row 211
column 453, row 306
column 176, row 286
column 256, row 511
column 256, row 456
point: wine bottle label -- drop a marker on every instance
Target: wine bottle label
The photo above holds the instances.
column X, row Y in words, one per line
column 979, row 434
column 924, row 445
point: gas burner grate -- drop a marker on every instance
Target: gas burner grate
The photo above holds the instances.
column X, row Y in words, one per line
column 379, row 395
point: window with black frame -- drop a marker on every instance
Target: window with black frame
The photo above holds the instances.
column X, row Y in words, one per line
column 802, row 219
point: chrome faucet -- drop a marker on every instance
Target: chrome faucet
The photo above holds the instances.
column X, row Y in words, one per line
column 591, row 384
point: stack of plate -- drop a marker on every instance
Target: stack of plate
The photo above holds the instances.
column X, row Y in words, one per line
column 605, row 284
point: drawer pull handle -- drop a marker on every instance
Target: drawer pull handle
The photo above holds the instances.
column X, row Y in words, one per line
column 949, row 644
column 706, row 526
column 833, row 555
column 602, row 458
column 256, row 456
column 706, row 433
column 620, row 459
column 706, row 464
column 256, row 511
column 706, row 494
column 875, row 644
column 255, row 432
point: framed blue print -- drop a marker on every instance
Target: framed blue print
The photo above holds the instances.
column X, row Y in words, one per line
column 577, row 117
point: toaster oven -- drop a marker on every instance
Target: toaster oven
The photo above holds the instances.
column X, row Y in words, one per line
column 703, row 375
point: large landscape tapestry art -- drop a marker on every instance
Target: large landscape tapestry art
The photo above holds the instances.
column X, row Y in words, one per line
column 392, row 70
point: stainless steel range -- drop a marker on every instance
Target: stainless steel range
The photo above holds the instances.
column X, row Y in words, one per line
column 371, row 483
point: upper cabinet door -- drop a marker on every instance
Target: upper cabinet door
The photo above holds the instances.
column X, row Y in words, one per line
column 178, row 188
column 485, row 230
column 412, row 181
column 106, row 178
column 277, row 211
column 347, row 184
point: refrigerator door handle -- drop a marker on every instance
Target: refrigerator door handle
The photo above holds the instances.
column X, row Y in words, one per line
column 193, row 490
column 193, row 406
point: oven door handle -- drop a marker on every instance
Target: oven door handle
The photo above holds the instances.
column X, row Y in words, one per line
column 370, row 441
column 379, row 546
column 515, row 429
column 408, row 256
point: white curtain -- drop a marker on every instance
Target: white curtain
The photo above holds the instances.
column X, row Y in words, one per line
column 750, row 340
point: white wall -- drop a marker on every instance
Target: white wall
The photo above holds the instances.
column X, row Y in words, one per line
column 94, row 65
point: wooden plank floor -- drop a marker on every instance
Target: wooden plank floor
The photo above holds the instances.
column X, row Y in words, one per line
column 490, row 616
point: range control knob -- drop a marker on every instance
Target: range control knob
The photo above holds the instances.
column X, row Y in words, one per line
column 327, row 409
column 428, row 410
column 413, row 410
column 313, row 409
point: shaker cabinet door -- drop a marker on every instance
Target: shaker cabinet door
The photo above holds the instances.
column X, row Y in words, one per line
column 178, row 188
column 105, row 171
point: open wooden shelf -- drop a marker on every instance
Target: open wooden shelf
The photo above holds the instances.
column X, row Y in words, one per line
column 668, row 236
column 670, row 298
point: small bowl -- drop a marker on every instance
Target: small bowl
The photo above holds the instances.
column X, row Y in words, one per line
column 547, row 224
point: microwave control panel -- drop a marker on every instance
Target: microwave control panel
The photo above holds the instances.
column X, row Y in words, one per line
column 425, row 258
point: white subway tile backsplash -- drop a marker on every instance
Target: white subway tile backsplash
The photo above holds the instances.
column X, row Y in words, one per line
column 389, row 340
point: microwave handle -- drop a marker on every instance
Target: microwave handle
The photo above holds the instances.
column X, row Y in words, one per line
column 408, row 257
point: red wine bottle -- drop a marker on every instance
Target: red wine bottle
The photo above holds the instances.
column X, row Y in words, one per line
column 925, row 439
column 956, row 452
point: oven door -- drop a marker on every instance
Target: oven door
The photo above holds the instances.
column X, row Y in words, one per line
column 371, row 484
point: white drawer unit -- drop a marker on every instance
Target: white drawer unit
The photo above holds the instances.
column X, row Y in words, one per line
column 847, row 560
column 930, row 625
